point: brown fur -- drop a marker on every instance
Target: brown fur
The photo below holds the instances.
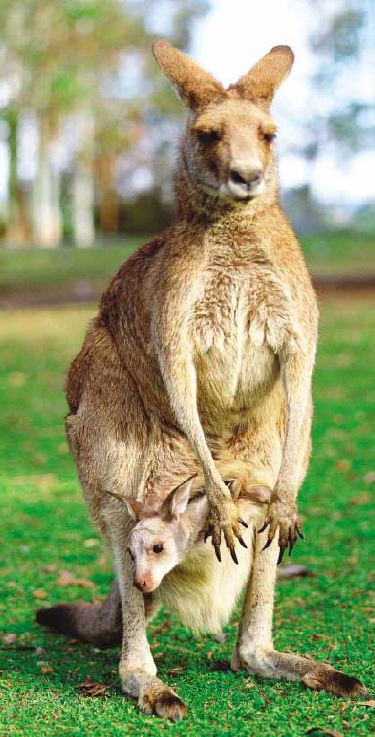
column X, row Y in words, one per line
column 204, row 347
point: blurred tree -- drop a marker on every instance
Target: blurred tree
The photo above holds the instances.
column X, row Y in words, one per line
column 61, row 48
column 69, row 59
column 131, row 123
column 342, row 41
column 20, row 227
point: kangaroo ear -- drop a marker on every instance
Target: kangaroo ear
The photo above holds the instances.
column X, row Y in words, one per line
column 197, row 512
column 263, row 79
column 196, row 87
column 136, row 510
column 177, row 501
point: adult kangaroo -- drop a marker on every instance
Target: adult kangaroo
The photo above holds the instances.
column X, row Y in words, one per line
column 203, row 350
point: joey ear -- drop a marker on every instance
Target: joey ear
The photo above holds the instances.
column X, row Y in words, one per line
column 177, row 501
column 261, row 82
column 196, row 87
column 136, row 510
column 197, row 512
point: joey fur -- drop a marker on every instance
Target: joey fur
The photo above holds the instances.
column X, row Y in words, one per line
column 202, row 352
column 163, row 537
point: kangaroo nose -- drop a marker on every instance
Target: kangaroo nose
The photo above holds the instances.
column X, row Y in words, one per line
column 144, row 583
column 245, row 177
column 140, row 584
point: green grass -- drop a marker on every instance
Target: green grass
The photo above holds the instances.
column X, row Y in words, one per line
column 340, row 253
column 63, row 268
column 69, row 271
column 44, row 522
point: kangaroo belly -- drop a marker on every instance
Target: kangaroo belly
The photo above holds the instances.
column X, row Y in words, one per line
column 236, row 347
column 233, row 383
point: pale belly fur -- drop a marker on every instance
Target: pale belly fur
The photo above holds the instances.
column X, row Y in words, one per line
column 236, row 366
column 203, row 592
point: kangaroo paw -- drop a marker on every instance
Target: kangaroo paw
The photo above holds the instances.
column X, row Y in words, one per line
column 335, row 681
column 164, row 703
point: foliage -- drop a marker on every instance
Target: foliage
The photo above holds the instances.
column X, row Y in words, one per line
column 82, row 71
column 341, row 40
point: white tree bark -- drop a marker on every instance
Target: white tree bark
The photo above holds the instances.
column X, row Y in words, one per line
column 83, row 194
column 46, row 205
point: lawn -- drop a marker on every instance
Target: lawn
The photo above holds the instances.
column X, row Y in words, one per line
column 340, row 253
column 45, row 530
column 61, row 271
column 42, row 275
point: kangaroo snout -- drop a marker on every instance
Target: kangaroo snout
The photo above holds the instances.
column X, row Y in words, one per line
column 144, row 582
column 245, row 179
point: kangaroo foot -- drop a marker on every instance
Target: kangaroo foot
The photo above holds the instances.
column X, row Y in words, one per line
column 154, row 697
column 159, row 699
column 312, row 674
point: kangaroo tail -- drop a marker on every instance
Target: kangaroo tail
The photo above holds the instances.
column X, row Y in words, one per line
column 99, row 624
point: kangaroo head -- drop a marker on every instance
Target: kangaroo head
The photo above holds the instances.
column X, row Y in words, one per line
column 228, row 148
column 161, row 537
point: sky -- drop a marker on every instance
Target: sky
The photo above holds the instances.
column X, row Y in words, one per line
column 235, row 34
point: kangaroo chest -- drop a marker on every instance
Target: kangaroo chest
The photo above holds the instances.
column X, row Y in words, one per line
column 239, row 325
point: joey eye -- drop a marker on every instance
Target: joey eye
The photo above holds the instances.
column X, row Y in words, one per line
column 211, row 136
column 158, row 548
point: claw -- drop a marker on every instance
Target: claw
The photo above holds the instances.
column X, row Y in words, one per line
column 293, row 537
column 268, row 543
column 299, row 531
column 216, row 542
column 242, row 522
column 207, row 533
column 281, row 553
column 291, row 543
column 267, row 522
column 230, row 541
column 241, row 541
column 233, row 555
column 217, row 551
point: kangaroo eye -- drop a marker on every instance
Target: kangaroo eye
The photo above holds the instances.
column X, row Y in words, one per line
column 158, row 548
column 209, row 136
column 269, row 137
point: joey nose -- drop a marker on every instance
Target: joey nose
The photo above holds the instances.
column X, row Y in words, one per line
column 139, row 584
column 144, row 583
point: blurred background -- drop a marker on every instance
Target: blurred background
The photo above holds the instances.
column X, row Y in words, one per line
column 88, row 128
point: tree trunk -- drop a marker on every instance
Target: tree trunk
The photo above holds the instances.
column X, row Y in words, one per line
column 19, row 230
column 47, row 215
column 109, row 208
column 83, row 183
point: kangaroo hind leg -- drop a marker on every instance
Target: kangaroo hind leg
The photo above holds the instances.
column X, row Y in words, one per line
column 254, row 651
